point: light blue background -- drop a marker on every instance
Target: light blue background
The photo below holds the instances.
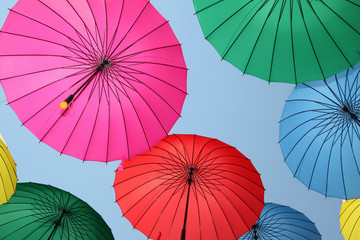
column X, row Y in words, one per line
column 237, row 109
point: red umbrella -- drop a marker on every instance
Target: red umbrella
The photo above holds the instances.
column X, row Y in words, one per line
column 193, row 186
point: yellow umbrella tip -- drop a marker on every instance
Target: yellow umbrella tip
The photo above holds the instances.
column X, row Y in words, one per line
column 63, row 105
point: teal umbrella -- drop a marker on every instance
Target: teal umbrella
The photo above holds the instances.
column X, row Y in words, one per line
column 38, row 211
column 284, row 40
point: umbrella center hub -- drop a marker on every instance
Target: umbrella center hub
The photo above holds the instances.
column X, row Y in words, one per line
column 105, row 63
column 347, row 110
column 191, row 170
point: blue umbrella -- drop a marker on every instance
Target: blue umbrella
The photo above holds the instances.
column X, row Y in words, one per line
column 282, row 222
column 319, row 134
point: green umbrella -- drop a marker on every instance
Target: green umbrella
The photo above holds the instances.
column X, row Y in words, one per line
column 38, row 211
column 290, row 41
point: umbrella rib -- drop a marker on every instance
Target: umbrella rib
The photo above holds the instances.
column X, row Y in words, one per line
column 198, row 210
column 140, row 216
column 352, row 212
column 307, row 132
column 61, row 115
column 47, row 104
column 46, row 85
column 115, row 91
column 246, row 25
column 157, row 94
column 208, row 207
column 232, row 204
column 212, row 165
column 342, row 172
column 48, row 70
column 227, row 19
column 126, row 94
column 137, row 114
column 23, row 226
column 239, row 197
column 276, row 35
column 170, row 160
column 81, row 115
column 90, row 35
column 207, row 7
column 327, row 176
column 317, row 156
column 120, row 58
column 205, row 172
column 71, row 58
column 71, row 26
column 229, row 179
column 74, row 50
column 198, row 159
column 327, row 106
column 110, row 45
column 106, row 75
column 71, row 39
column 184, row 151
column 325, row 96
column 154, row 77
column 161, row 169
column 319, row 117
column 138, row 40
column 292, row 40
column 128, row 30
column 176, row 190
column 349, row 25
column 148, row 62
column 127, row 79
column 309, row 37
column 96, row 118
column 3, row 182
column 261, row 31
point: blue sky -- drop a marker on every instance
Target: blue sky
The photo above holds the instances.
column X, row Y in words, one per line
column 240, row 110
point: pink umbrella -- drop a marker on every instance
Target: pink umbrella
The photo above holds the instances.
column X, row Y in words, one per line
column 99, row 80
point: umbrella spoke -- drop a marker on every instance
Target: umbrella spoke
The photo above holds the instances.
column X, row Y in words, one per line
column 129, row 30
column 112, row 41
column 124, row 49
column 275, row 39
column 260, row 33
column 82, row 38
column 95, row 83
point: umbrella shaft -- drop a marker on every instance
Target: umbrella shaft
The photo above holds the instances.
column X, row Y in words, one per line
column 57, row 224
column 83, row 86
column 183, row 232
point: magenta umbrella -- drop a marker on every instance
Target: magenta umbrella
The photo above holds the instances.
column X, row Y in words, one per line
column 99, row 80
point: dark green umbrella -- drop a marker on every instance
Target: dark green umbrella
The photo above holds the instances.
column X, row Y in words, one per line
column 284, row 40
column 38, row 211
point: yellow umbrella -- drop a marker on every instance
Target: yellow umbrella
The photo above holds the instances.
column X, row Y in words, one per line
column 350, row 219
column 8, row 176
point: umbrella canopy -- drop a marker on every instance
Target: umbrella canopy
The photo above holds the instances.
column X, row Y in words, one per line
column 279, row 222
column 284, row 41
column 191, row 187
column 114, row 66
column 8, row 176
column 350, row 219
column 319, row 134
column 38, row 211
